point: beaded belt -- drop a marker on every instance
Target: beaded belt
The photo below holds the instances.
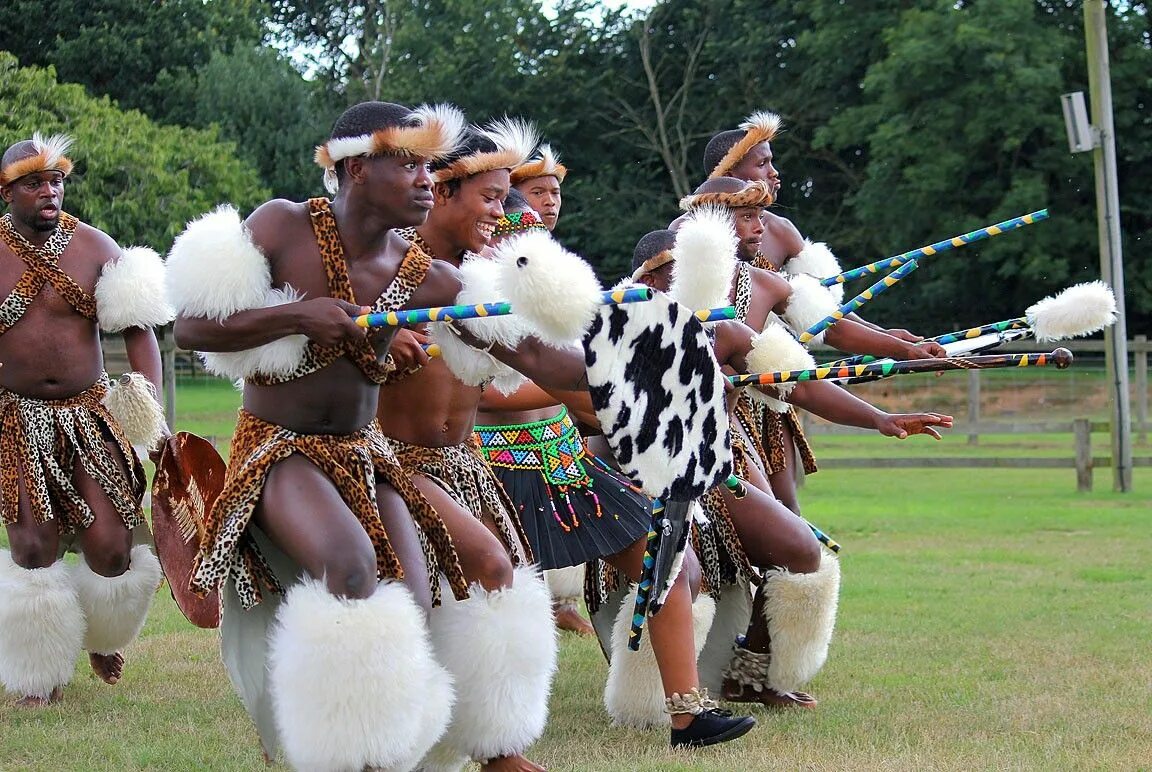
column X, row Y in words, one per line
column 552, row 446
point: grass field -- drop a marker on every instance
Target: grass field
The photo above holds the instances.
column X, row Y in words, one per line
column 989, row 620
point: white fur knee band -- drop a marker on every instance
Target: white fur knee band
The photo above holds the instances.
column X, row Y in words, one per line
column 41, row 627
column 801, row 613
column 131, row 293
column 215, row 271
column 634, row 693
column 116, row 607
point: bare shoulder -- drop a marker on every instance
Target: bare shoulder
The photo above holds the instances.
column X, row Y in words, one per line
column 94, row 244
column 277, row 224
column 440, row 287
column 768, row 280
column 783, row 232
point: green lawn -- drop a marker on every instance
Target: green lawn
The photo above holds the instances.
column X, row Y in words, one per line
column 990, row 619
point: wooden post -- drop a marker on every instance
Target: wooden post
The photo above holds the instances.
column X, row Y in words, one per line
column 973, row 407
column 1082, row 431
column 1140, row 354
column 168, row 373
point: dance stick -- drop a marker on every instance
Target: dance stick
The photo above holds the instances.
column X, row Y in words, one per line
column 722, row 314
column 644, row 587
column 450, row 313
column 1018, row 324
column 879, row 287
column 939, row 246
column 1060, row 357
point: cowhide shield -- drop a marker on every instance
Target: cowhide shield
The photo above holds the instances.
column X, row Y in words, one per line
column 659, row 394
column 189, row 478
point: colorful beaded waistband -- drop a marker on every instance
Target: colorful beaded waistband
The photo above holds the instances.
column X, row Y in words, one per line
column 552, row 446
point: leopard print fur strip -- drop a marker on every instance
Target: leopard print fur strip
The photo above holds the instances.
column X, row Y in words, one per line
column 45, row 441
column 354, row 463
column 462, row 472
column 43, row 267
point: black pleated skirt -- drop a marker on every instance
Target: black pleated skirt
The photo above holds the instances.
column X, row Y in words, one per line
column 572, row 509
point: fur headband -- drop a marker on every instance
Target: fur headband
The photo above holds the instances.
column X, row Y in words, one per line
column 652, row 263
column 758, row 127
column 546, row 165
column 49, row 157
column 433, row 131
column 754, row 194
column 514, row 139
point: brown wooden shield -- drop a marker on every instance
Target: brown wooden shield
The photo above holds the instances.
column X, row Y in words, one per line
column 189, row 478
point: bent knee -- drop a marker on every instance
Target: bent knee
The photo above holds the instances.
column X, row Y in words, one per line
column 803, row 557
column 108, row 562
column 491, row 569
column 351, row 578
column 33, row 555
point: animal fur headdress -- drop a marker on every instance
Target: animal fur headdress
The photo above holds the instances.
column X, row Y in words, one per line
column 547, row 164
column 753, row 194
column 49, row 157
column 431, row 131
column 758, row 127
column 514, row 141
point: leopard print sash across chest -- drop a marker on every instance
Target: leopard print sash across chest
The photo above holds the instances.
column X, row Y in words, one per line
column 43, row 267
column 316, row 357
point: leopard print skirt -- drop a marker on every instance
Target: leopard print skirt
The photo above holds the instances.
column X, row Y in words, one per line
column 716, row 543
column 44, row 441
column 354, row 463
column 765, row 430
column 464, row 474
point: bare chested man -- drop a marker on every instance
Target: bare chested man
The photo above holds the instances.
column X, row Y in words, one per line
column 68, row 464
column 756, row 539
column 335, row 665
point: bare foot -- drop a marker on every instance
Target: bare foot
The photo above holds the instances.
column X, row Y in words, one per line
column 734, row 692
column 516, row 763
column 35, row 701
column 108, row 666
column 568, row 618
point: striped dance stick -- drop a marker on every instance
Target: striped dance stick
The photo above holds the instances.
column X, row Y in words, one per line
column 1019, row 324
column 939, row 246
column 1060, row 358
column 450, row 313
column 885, row 284
column 739, row 490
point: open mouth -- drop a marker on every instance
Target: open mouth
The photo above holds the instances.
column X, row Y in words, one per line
column 486, row 229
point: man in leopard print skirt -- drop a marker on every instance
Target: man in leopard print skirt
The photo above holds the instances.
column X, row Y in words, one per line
column 332, row 558
column 69, row 472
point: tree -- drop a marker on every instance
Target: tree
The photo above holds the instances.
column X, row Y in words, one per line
column 142, row 54
column 134, row 179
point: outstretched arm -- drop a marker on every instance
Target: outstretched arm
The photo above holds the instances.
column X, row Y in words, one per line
column 857, row 338
column 837, row 405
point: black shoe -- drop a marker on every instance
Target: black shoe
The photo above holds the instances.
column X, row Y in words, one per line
column 712, row 727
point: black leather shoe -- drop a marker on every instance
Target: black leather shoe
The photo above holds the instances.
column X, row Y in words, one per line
column 712, row 727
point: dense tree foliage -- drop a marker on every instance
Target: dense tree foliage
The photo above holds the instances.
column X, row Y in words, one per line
column 907, row 121
column 137, row 181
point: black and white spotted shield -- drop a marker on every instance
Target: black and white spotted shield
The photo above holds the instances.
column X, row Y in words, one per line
column 659, row 395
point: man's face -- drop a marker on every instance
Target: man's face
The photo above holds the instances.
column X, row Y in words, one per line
column 659, row 279
column 398, row 186
column 749, row 230
column 757, row 165
column 35, row 199
column 543, row 193
column 470, row 212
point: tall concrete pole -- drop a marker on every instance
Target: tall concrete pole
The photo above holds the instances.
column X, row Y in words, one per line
column 1111, row 258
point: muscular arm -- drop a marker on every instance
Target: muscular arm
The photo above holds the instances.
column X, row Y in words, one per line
column 559, row 368
column 144, row 354
column 837, row 405
column 856, row 338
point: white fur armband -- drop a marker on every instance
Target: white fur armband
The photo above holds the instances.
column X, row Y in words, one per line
column 810, row 303
column 471, row 365
column 553, row 290
column 773, row 350
column 705, row 259
column 131, row 292
column 816, row 260
column 480, row 279
column 214, row 271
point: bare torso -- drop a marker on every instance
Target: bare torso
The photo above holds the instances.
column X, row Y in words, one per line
column 54, row 352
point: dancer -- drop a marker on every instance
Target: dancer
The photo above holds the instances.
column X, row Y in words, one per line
column 70, row 473
column 329, row 553
column 539, row 181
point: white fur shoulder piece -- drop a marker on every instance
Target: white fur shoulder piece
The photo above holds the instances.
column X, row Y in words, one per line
column 131, row 292
column 705, row 259
column 215, row 271
column 773, row 350
column 480, row 278
column 214, row 268
column 817, row 260
column 810, row 303
column 472, row 366
column 553, row 290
